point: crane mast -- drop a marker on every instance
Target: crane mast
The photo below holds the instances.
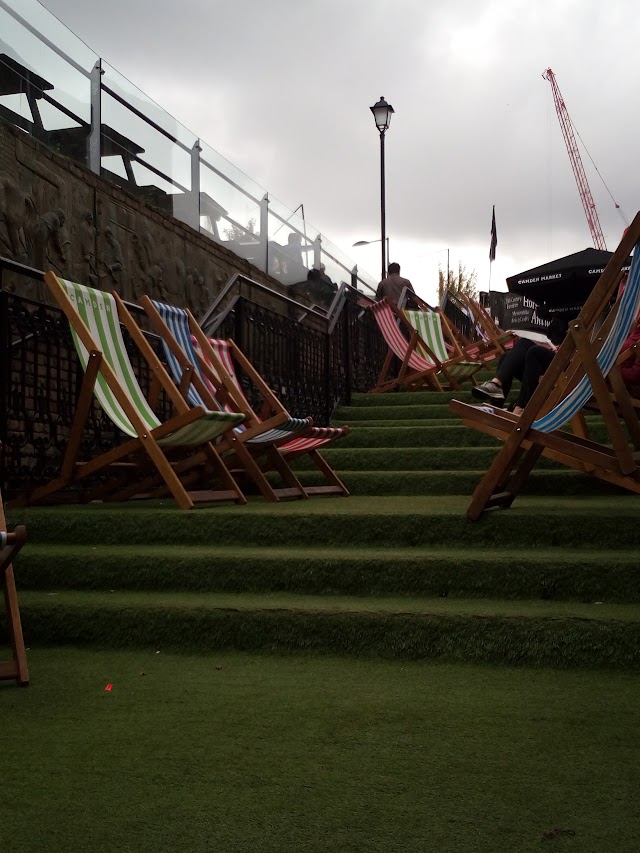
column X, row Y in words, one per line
column 576, row 163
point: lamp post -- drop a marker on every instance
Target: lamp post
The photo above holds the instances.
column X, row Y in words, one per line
column 369, row 242
column 382, row 112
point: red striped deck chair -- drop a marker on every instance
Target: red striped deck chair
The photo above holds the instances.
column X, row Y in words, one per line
column 256, row 445
column 420, row 367
column 227, row 355
column 10, row 543
column 155, row 457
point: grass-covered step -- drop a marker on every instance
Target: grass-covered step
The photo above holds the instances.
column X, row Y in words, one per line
column 238, row 753
column 407, row 398
column 573, row 522
column 552, row 573
column 433, row 434
column 412, row 459
column 539, row 482
column 360, row 414
column 544, row 633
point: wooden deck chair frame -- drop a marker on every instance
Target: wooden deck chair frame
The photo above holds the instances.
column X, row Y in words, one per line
column 409, row 377
column 458, row 343
column 150, row 467
column 575, row 358
column 15, row 669
column 494, row 336
column 237, row 445
column 291, row 449
column 431, row 328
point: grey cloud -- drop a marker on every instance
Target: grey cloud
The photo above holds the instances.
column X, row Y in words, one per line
column 283, row 88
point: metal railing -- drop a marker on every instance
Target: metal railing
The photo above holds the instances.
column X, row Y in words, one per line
column 62, row 93
column 312, row 360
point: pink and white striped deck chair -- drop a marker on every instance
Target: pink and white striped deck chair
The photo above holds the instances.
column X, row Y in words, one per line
column 420, row 367
column 219, row 360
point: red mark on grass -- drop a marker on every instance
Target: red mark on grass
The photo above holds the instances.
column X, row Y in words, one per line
column 108, row 688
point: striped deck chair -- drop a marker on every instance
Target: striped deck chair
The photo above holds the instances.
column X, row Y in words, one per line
column 420, row 367
column 10, row 543
column 157, row 454
column 428, row 324
column 490, row 333
column 252, row 442
column 227, row 355
column 456, row 342
column 583, row 370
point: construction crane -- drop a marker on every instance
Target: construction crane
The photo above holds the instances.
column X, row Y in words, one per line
column 576, row 163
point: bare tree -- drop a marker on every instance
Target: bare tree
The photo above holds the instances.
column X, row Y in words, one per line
column 461, row 282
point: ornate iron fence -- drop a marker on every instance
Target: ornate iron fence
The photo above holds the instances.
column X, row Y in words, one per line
column 310, row 368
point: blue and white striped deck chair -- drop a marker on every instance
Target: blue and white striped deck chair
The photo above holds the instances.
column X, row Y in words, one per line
column 583, row 370
column 429, row 326
column 94, row 318
column 176, row 326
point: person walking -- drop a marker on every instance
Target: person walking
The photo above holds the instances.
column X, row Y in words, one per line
column 392, row 286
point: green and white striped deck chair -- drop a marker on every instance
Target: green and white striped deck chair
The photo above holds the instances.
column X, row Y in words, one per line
column 428, row 325
column 94, row 317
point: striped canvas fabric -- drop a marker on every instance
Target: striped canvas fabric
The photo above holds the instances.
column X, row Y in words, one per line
column 286, row 430
column 386, row 320
column 622, row 325
column 177, row 321
column 99, row 313
column 429, row 326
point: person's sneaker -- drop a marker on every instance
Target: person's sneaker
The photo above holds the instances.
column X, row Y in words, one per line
column 489, row 391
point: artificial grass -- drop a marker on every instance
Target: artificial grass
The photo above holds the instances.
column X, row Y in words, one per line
column 434, row 435
column 423, row 459
column 559, row 634
column 412, row 412
column 234, row 752
column 548, row 574
column 532, row 522
column 421, row 483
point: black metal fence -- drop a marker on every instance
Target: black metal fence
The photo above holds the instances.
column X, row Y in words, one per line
column 311, row 363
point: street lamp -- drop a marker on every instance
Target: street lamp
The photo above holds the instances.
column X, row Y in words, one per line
column 369, row 242
column 382, row 112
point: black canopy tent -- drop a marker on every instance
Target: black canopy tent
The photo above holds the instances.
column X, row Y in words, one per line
column 562, row 286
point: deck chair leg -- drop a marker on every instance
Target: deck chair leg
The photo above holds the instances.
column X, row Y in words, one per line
column 224, row 474
column 17, row 668
column 521, row 473
column 253, row 470
column 335, row 483
column 487, row 490
column 277, row 461
column 167, row 473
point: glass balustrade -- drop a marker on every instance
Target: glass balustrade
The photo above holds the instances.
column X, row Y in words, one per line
column 57, row 89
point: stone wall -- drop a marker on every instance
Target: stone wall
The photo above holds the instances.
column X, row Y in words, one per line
column 56, row 214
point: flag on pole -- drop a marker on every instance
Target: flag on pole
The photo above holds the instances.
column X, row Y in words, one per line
column 494, row 236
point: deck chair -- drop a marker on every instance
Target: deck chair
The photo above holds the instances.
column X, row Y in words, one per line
column 490, row 333
column 583, row 370
column 420, row 367
column 255, row 445
column 155, row 455
column 429, row 326
column 456, row 343
column 227, row 356
column 10, row 543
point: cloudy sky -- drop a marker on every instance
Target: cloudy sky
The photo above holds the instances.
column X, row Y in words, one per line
column 282, row 88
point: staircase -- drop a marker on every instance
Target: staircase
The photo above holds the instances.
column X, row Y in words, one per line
column 395, row 570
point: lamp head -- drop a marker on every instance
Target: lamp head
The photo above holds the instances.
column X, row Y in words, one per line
column 382, row 112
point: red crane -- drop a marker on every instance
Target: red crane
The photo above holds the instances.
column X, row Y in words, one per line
column 576, row 163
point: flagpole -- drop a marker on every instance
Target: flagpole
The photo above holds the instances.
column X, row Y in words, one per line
column 494, row 243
